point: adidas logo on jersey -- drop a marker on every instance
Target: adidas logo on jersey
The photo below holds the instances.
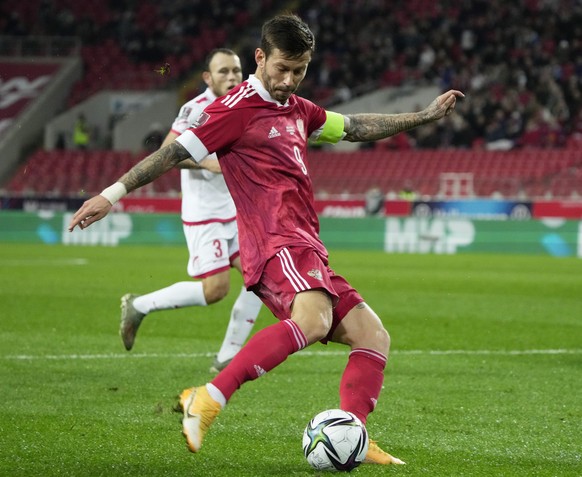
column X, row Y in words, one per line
column 273, row 133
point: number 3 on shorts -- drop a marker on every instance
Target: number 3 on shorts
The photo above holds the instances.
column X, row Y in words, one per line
column 217, row 248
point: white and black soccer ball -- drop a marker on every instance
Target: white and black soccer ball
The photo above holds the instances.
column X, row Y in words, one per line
column 335, row 440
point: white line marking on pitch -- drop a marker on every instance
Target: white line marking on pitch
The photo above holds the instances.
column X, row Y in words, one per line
column 417, row 352
column 34, row 262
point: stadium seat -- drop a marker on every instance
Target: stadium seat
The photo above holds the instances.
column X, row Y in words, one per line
column 535, row 173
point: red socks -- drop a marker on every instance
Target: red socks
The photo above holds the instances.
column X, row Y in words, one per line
column 362, row 381
column 360, row 385
column 265, row 350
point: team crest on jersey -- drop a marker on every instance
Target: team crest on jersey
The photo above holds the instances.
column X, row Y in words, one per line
column 290, row 130
column 315, row 273
column 301, row 127
column 200, row 120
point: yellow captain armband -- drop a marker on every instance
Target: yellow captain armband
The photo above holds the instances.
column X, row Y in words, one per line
column 333, row 128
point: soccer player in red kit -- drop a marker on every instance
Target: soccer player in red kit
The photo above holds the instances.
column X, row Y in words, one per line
column 260, row 132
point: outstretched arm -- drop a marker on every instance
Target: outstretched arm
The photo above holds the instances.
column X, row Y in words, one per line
column 372, row 127
column 209, row 163
column 144, row 172
column 153, row 166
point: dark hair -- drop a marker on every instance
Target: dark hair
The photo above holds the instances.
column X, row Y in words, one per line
column 213, row 53
column 289, row 34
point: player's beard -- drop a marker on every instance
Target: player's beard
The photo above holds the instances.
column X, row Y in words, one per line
column 278, row 94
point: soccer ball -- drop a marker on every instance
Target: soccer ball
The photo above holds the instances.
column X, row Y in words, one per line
column 335, row 440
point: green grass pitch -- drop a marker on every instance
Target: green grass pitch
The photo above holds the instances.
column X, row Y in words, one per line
column 484, row 377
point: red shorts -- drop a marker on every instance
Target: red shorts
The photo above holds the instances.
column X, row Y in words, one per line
column 297, row 269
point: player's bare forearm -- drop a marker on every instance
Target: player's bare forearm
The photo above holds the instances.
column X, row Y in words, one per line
column 144, row 172
column 154, row 165
column 371, row 127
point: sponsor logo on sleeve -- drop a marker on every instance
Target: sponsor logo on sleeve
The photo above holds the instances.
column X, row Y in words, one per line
column 200, row 120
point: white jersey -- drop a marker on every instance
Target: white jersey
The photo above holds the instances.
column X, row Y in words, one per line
column 205, row 197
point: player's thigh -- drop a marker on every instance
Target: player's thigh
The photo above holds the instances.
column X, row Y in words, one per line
column 362, row 328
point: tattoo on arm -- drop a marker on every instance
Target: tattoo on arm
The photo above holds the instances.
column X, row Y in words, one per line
column 154, row 165
column 371, row 127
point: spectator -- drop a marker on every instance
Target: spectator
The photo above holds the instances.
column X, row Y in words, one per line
column 81, row 133
column 542, row 130
column 407, row 192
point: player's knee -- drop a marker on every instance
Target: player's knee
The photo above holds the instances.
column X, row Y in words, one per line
column 375, row 337
column 316, row 327
column 360, row 333
column 321, row 328
column 312, row 311
column 382, row 341
column 214, row 292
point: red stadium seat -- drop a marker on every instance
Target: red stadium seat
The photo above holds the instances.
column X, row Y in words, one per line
column 536, row 173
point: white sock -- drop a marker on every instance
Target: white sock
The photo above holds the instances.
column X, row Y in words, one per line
column 178, row 295
column 216, row 394
column 242, row 319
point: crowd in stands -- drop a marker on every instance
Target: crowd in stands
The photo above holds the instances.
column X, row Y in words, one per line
column 147, row 30
column 519, row 62
column 140, row 45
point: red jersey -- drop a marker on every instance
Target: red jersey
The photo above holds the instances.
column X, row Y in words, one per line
column 262, row 148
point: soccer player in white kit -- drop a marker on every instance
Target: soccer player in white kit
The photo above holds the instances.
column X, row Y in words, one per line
column 209, row 222
column 260, row 132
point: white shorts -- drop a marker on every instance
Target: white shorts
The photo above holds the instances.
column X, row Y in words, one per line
column 212, row 248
